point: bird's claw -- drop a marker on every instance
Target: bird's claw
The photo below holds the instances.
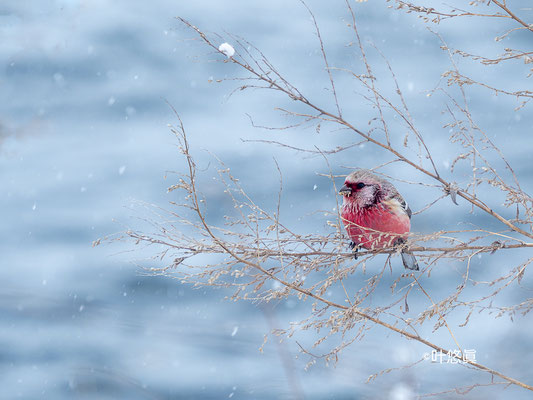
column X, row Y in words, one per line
column 352, row 247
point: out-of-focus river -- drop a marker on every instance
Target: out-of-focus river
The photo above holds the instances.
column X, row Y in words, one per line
column 84, row 138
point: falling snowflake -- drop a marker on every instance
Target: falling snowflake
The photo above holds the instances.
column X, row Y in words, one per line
column 235, row 330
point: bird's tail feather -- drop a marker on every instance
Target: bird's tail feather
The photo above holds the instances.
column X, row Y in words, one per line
column 409, row 260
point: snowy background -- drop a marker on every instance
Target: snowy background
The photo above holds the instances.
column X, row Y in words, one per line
column 84, row 137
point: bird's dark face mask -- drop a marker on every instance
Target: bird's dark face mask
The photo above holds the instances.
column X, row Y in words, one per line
column 360, row 194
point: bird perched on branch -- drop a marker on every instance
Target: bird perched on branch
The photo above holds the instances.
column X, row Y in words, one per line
column 375, row 215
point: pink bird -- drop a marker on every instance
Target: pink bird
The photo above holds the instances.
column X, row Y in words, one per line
column 375, row 215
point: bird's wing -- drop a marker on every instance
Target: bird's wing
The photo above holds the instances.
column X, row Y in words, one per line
column 396, row 202
column 395, row 198
column 405, row 206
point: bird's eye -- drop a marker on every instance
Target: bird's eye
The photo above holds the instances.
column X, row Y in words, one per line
column 360, row 185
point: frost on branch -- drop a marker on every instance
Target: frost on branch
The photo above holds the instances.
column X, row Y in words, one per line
column 227, row 49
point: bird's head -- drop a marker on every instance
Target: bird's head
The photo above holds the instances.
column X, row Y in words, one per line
column 361, row 189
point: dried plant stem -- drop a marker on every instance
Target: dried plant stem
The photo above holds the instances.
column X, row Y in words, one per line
column 323, row 114
column 504, row 7
column 262, row 259
column 352, row 310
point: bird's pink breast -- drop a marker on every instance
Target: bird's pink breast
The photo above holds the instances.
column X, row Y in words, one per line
column 375, row 227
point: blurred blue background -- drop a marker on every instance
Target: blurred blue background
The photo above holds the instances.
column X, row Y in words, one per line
column 84, row 139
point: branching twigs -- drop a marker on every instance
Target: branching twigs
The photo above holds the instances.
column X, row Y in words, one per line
column 296, row 95
column 188, row 183
column 462, row 390
column 455, row 77
column 511, row 14
column 510, row 54
column 502, row 12
column 455, row 12
column 324, row 56
column 262, row 258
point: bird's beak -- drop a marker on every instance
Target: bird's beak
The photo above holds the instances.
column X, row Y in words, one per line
column 345, row 191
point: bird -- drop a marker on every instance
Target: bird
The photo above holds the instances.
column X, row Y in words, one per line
column 375, row 215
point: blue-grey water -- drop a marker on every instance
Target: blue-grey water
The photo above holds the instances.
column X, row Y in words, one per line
column 84, row 87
